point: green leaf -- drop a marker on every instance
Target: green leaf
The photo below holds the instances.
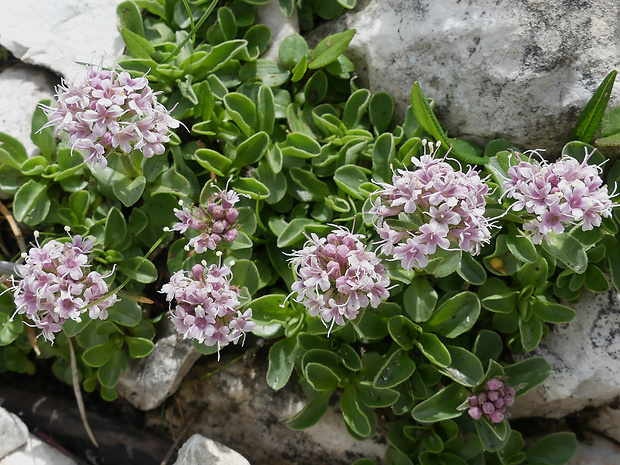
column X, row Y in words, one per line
column 420, row 299
column 595, row 280
column 493, row 436
column 568, row 250
column 376, row 397
column 433, row 349
column 251, row 150
column 349, row 178
column 354, row 413
column 441, row 406
column 383, row 157
column 15, row 148
column 125, row 312
column 381, row 110
column 321, row 377
column 594, row 110
column 425, row 116
column 403, row 331
column 300, row 145
column 137, row 45
column 455, row 316
column 252, row 187
column 31, row 203
column 311, row 413
column 531, row 332
column 242, row 111
column 521, row 246
column 213, row 161
column 98, row 355
column 292, row 49
column 139, row 347
column 281, row 360
column 129, row 17
column 10, row 330
column 488, row 346
column 110, row 372
column 115, row 232
column 397, row 369
column 129, row 191
column 217, row 58
column 471, row 270
column 145, row 273
column 330, row 48
column 245, row 274
column 308, row 180
column 552, row 312
column 527, row 374
column 42, row 138
column 294, row 232
column 355, row 108
column 206, row 101
column 465, row 368
column 316, row 88
column 553, row 449
column 268, row 72
column 265, row 109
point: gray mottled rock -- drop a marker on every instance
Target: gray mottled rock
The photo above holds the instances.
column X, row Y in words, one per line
column 199, row 450
column 36, row 452
column 281, row 26
column 236, row 407
column 56, row 34
column 585, row 356
column 149, row 381
column 496, row 68
column 607, row 421
column 13, row 431
column 21, row 88
column 595, row 450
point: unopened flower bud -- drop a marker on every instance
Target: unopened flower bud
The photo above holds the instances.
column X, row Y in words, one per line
column 499, row 403
column 509, row 401
column 494, row 384
column 230, row 235
column 473, row 401
column 488, row 408
column 492, row 395
column 231, row 215
column 475, row 413
column 496, row 417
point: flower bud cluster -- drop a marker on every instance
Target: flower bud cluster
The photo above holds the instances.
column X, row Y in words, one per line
column 215, row 222
column 442, row 205
column 492, row 402
column 337, row 277
column 206, row 305
column 107, row 111
column 56, row 285
column 557, row 194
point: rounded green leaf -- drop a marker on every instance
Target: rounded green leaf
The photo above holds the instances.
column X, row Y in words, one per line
column 321, row 377
column 281, row 360
column 471, row 270
column 441, row 406
column 433, row 349
column 109, row 373
column 330, row 48
column 242, row 111
column 115, row 232
column 139, row 347
column 376, row 397
column 128, row 190
column 252, row 187
column 403, row 331
column 455, row 316
column 531, row 332
column 420, row 299
column 568, row 250
column 527, row 374
column 213, row 161
column 300, row 145
column 139, row 269
column 311, row 413
column 245, row 274
column 98, row 355
column 31, row 203
column 552, row 312
column 125, row 312
column 465, row 367
column 354, row 414
column 381, row 110
column 397, row 368
column 251, row 150
column 292, row 49
column 349, row 178
column 553, row 449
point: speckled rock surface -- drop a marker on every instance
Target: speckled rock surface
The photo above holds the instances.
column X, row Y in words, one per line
column 237, row 408
column 199, row 450
column 607, row 421
column 496, row 68
column 21, row 88
column 57, row 34
column 36, row 452
column 149, row 381
column 595, row 450
column 585, row 356
column 13, row 431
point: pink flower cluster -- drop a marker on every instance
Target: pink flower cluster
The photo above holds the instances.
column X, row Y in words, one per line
column 442, row 206
column 492, row 402
column 206, row 305
column 337, row 277
column 557, row 194
column 56, row 285
column 108, row 111
column 215, row 222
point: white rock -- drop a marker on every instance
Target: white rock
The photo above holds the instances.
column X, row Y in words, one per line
column 281, row 26
column 21, row 88
column 199, row 450
column 13, row 431
column 596, row 451
column 36, row 452
column 239, row 409
column 522, row 70
column 57, row 34
column 585, row 361
column 149, row 381
column 607, row 422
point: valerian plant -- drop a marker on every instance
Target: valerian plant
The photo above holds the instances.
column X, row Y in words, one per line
column 389, row 266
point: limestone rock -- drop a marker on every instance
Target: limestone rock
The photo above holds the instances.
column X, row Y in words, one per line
column 56, row 35
column 281, row 26
column 236, row 407
column 596, row 450
column 13, row 431
column 607, row 421
column 199, row 450
column 585, row 358
column 149, row 381
column 21, row 88
column 36, row 452
column 520, row 70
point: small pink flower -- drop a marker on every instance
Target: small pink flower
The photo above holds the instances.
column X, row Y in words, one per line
column 337, row 276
